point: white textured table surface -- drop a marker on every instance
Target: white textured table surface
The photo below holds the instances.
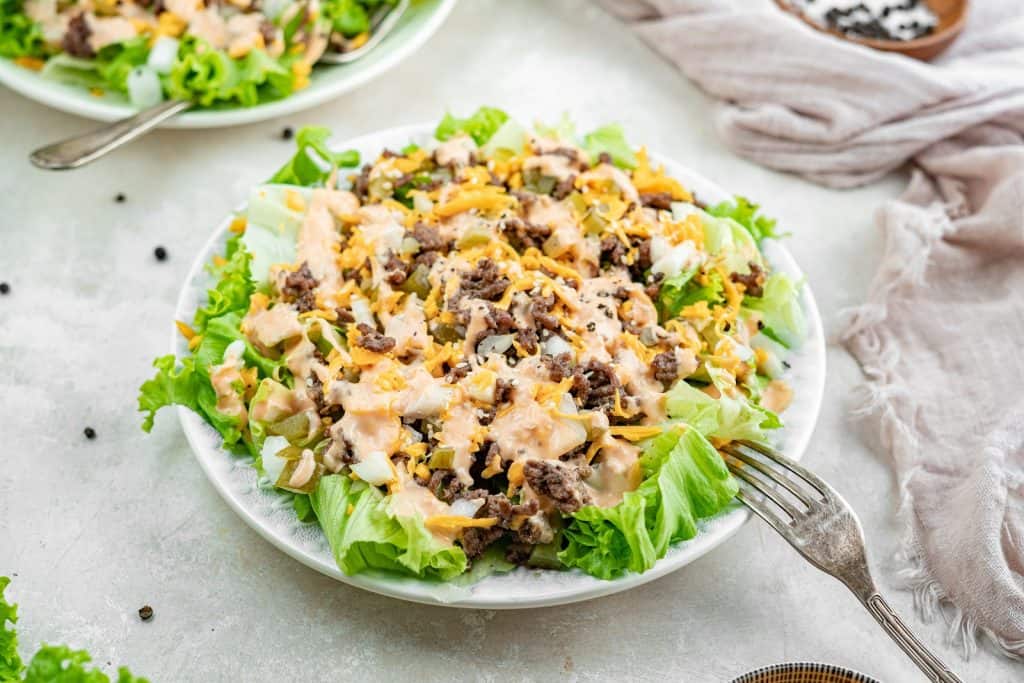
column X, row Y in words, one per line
column 95, row 529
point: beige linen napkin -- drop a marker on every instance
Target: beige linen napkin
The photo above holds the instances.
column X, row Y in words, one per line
column 940, row 338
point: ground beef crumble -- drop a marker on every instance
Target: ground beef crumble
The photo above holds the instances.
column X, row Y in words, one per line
column 594, row 385
column 300, row 288
column 657, row 200
column 76, row 38
column 753, row 282
column 396, row 270
column 372, row 340
column 561, row 484
column 483, row 282
column 666, row 368
column 429, row 238
column 475, row 540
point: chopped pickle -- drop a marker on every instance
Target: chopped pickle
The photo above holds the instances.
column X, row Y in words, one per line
column 442, row 458
column 418, row 282
column 294, row 428
column 445, row 333
column 545, row 557
column 308, row 486
column 475, row 236
column 534, row 181
column 290, row 453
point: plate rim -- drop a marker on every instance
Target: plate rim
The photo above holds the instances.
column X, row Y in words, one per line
column 726, row 524
column 31, row 86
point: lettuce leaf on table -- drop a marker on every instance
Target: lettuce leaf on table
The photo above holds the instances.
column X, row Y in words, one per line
column 684, row 480
column 370, row 537
column 52, row 663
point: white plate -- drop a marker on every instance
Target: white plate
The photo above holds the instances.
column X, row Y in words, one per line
column 272, row 516
column 422, row 20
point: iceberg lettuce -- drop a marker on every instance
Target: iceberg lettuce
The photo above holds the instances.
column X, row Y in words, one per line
column 783, row 317
column 363, row 534
column 610, row 139
column 684, row 480
column 481, row 126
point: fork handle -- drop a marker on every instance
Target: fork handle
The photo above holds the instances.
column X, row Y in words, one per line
column 931, row 665
column 82, row 149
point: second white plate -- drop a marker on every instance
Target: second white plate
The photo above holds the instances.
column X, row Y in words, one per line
column 422, row 20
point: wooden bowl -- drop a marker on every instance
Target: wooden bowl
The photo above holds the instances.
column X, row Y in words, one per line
column 952, row 15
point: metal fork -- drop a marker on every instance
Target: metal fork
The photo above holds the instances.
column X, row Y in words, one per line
column 824, row 529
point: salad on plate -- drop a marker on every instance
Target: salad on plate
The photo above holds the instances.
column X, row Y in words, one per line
column 513, row 345
column 226, row 53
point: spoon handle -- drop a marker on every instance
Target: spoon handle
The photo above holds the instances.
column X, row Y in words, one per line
column 82, row 149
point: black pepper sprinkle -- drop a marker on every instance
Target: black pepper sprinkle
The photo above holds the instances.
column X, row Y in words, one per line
column 5, row 288
column 591, row 326
column 90, row 433
column 160, row 253
column 145, row 613
column 120, row 197
column 287, row 133
column 786, row 364
column 760, row 324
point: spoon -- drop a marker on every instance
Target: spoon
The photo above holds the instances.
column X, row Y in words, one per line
column 82, row 149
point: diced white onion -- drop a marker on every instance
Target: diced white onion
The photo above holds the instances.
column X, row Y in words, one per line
column 556, row 345
column 362, row 313
column 144, row 87
column 374, row 469
column 272, row 9
column 675, row 260
column 410, row 245
column 659, row 247
column 772, row 365
column 162, row 55
column 681, row 210
column 496, row 343
column 234, row 350
column 430, row 402
column 422, row 203
column 466, row 507
column 272, row 465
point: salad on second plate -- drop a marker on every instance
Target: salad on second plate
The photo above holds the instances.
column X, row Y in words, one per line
column 223, row 53
column 504, row 343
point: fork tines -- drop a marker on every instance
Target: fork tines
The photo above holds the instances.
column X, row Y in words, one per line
column 776, row 478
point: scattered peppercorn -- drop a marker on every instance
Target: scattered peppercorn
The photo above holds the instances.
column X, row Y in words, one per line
column 160, row 253
column 90, row 433
column 120, row 197
column 5, row 288
column 145, row 613
column 287, row 133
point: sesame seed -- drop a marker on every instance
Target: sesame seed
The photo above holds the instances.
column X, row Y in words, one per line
column 120, row 198
column 160, row 253
column 5, row 288
column 90, row 433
